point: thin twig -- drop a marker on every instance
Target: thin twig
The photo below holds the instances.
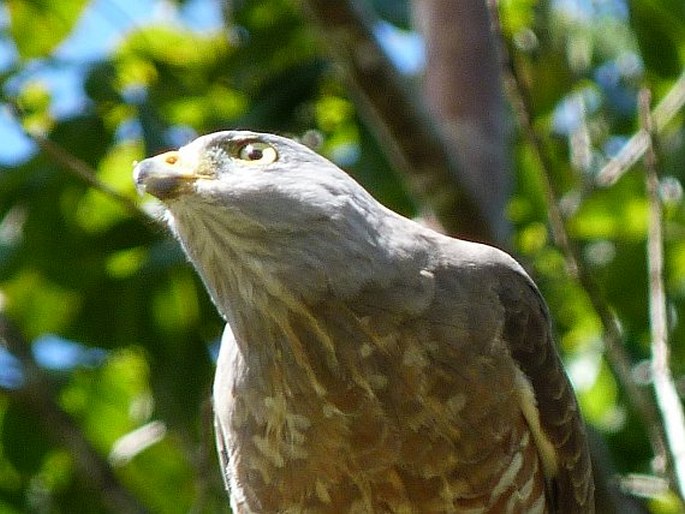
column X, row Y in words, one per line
column 77, row 167
column 37, row 394
column 521, row 104
column 613, row 338
column 671, row 410
column 83, row 171
column 637, row 145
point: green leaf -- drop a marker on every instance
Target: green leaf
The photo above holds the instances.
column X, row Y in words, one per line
column 38, row 26
column 41, row 305
column 600, row 402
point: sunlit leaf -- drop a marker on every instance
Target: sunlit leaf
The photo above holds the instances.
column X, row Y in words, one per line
column 126, row 262
column 38, row 26
column 599, row 403
column 176, row 307
column 43, row 307
column 103, row 398
column 96, row 211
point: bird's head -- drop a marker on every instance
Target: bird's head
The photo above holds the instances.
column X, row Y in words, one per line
column 261, row 211
column 263, row 179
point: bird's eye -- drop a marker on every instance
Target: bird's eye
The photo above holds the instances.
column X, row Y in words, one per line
column 257, row 152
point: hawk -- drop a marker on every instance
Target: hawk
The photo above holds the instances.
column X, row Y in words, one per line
column 369, row 364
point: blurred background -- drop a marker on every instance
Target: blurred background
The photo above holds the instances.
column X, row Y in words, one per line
column 522, row 123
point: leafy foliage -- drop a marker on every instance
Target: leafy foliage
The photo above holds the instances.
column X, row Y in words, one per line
column 52, row 20
column 83, row 275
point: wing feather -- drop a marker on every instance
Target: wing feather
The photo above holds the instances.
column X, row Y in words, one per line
column 527, row 330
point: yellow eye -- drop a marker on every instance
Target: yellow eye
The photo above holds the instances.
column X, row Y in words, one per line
column 257, row 152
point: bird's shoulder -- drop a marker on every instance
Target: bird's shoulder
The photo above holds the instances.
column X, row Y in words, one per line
column 482, row 282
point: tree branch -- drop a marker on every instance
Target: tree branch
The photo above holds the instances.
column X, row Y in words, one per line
column 637, row 145
column 671, row 409
column 462, row 91
column 399, row 122
column 37, row 394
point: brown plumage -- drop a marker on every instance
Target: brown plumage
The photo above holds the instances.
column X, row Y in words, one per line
column 369, row 364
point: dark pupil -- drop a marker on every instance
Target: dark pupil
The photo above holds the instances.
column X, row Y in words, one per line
column 254, row 154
